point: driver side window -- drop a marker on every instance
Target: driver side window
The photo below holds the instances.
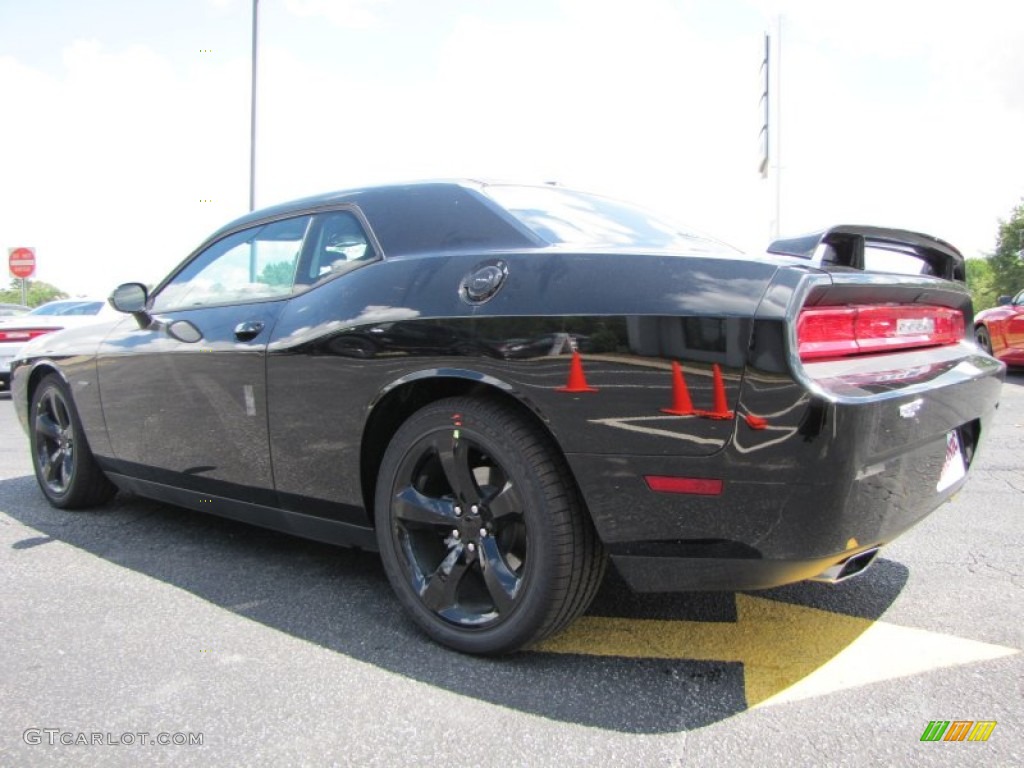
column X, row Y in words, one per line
column 253, row 264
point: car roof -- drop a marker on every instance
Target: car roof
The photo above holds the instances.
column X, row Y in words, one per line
column 414, row 217
column 354, row 197
column 450, row 215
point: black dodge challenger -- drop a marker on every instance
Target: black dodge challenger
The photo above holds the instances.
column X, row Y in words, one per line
column 501, row 387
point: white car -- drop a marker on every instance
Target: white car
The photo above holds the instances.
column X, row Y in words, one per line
column 15, row 332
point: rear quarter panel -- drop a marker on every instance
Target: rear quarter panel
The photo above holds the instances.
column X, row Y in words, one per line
column 339, row 348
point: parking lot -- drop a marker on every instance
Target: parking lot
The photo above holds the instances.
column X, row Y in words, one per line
column 140, row 623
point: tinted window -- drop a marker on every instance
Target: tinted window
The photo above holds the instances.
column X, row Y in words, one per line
column 337, row 243
column 258, row 263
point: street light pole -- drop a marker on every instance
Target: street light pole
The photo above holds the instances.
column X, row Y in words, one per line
column 778, row 129
column 252, row 115
column 771, row 126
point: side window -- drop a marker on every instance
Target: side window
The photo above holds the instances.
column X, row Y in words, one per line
column 258, row 263
column 338, row 244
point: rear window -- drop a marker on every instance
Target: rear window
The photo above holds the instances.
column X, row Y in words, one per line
column 561, row 216
column 895, row 261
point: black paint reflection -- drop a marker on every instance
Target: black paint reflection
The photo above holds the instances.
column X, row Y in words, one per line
column 701, row 340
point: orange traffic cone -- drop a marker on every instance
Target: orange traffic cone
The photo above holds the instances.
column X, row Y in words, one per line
column 577, row 381
column 720, row 407
column 682, row 405
column 756, row 422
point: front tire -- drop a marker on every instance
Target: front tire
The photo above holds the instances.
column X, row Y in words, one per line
column 983, row 339
column 481, row 530
column 64, row 466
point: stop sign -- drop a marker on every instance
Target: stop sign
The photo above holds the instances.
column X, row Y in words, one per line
column 22, row 261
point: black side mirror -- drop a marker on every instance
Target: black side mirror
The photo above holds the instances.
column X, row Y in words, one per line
column 132, row 298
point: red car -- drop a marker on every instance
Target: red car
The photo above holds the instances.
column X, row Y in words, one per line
column 1000, row 330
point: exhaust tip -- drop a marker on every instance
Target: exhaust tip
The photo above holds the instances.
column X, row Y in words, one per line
column 848, row 568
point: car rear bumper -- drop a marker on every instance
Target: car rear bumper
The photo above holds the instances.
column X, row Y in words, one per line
column 814, row 480
column 646, row 573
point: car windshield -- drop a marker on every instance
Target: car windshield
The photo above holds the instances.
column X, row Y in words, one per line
column 562, row 216
column 69, row 308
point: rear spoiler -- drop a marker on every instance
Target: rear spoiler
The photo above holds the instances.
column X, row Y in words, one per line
column 844, row 246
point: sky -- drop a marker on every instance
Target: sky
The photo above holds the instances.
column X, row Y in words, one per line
column 124, row 126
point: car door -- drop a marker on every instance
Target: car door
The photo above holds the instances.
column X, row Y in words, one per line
column 184, row 398
column 1015, row 323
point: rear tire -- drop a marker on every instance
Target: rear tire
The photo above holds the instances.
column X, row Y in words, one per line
column 481, row 529
column 64, row 465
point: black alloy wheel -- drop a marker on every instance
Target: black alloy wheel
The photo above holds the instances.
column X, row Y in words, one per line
column 64, row 466
column 983, row 339
column 481, row 531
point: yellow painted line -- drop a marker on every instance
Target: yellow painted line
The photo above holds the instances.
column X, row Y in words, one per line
column 788, row 652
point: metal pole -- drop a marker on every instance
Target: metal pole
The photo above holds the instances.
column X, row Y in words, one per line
column 778, row 129
column 766, row 133
column 24, row 292
column 252, row 115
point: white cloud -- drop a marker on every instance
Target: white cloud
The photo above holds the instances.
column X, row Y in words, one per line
column 105, row 174
column 909, row 115
column 902, row 114
column 357, row 14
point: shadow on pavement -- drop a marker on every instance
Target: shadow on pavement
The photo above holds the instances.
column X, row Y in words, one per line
column 340, row 600
column 1015, row 376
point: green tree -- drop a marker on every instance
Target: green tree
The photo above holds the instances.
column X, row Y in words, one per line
column 37, row 293
column 277, row 273
column 1007, row 264
column 979, row 282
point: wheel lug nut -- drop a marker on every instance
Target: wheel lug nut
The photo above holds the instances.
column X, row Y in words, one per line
column 471, row 547
column 455, row 534
column 458, row 511
column 474, row 509
column 483, row 533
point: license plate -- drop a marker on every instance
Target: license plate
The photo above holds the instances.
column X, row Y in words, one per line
column 954, row 468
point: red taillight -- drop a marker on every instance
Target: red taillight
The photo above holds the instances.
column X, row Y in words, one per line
column 829, row 332
column 24, row 334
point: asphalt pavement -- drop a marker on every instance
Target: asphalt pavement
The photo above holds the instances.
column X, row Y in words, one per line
column 143, row 634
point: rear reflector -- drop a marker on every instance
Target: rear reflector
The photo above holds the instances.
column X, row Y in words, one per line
column 696, row 486
column 24, row 334
column 830, row 332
